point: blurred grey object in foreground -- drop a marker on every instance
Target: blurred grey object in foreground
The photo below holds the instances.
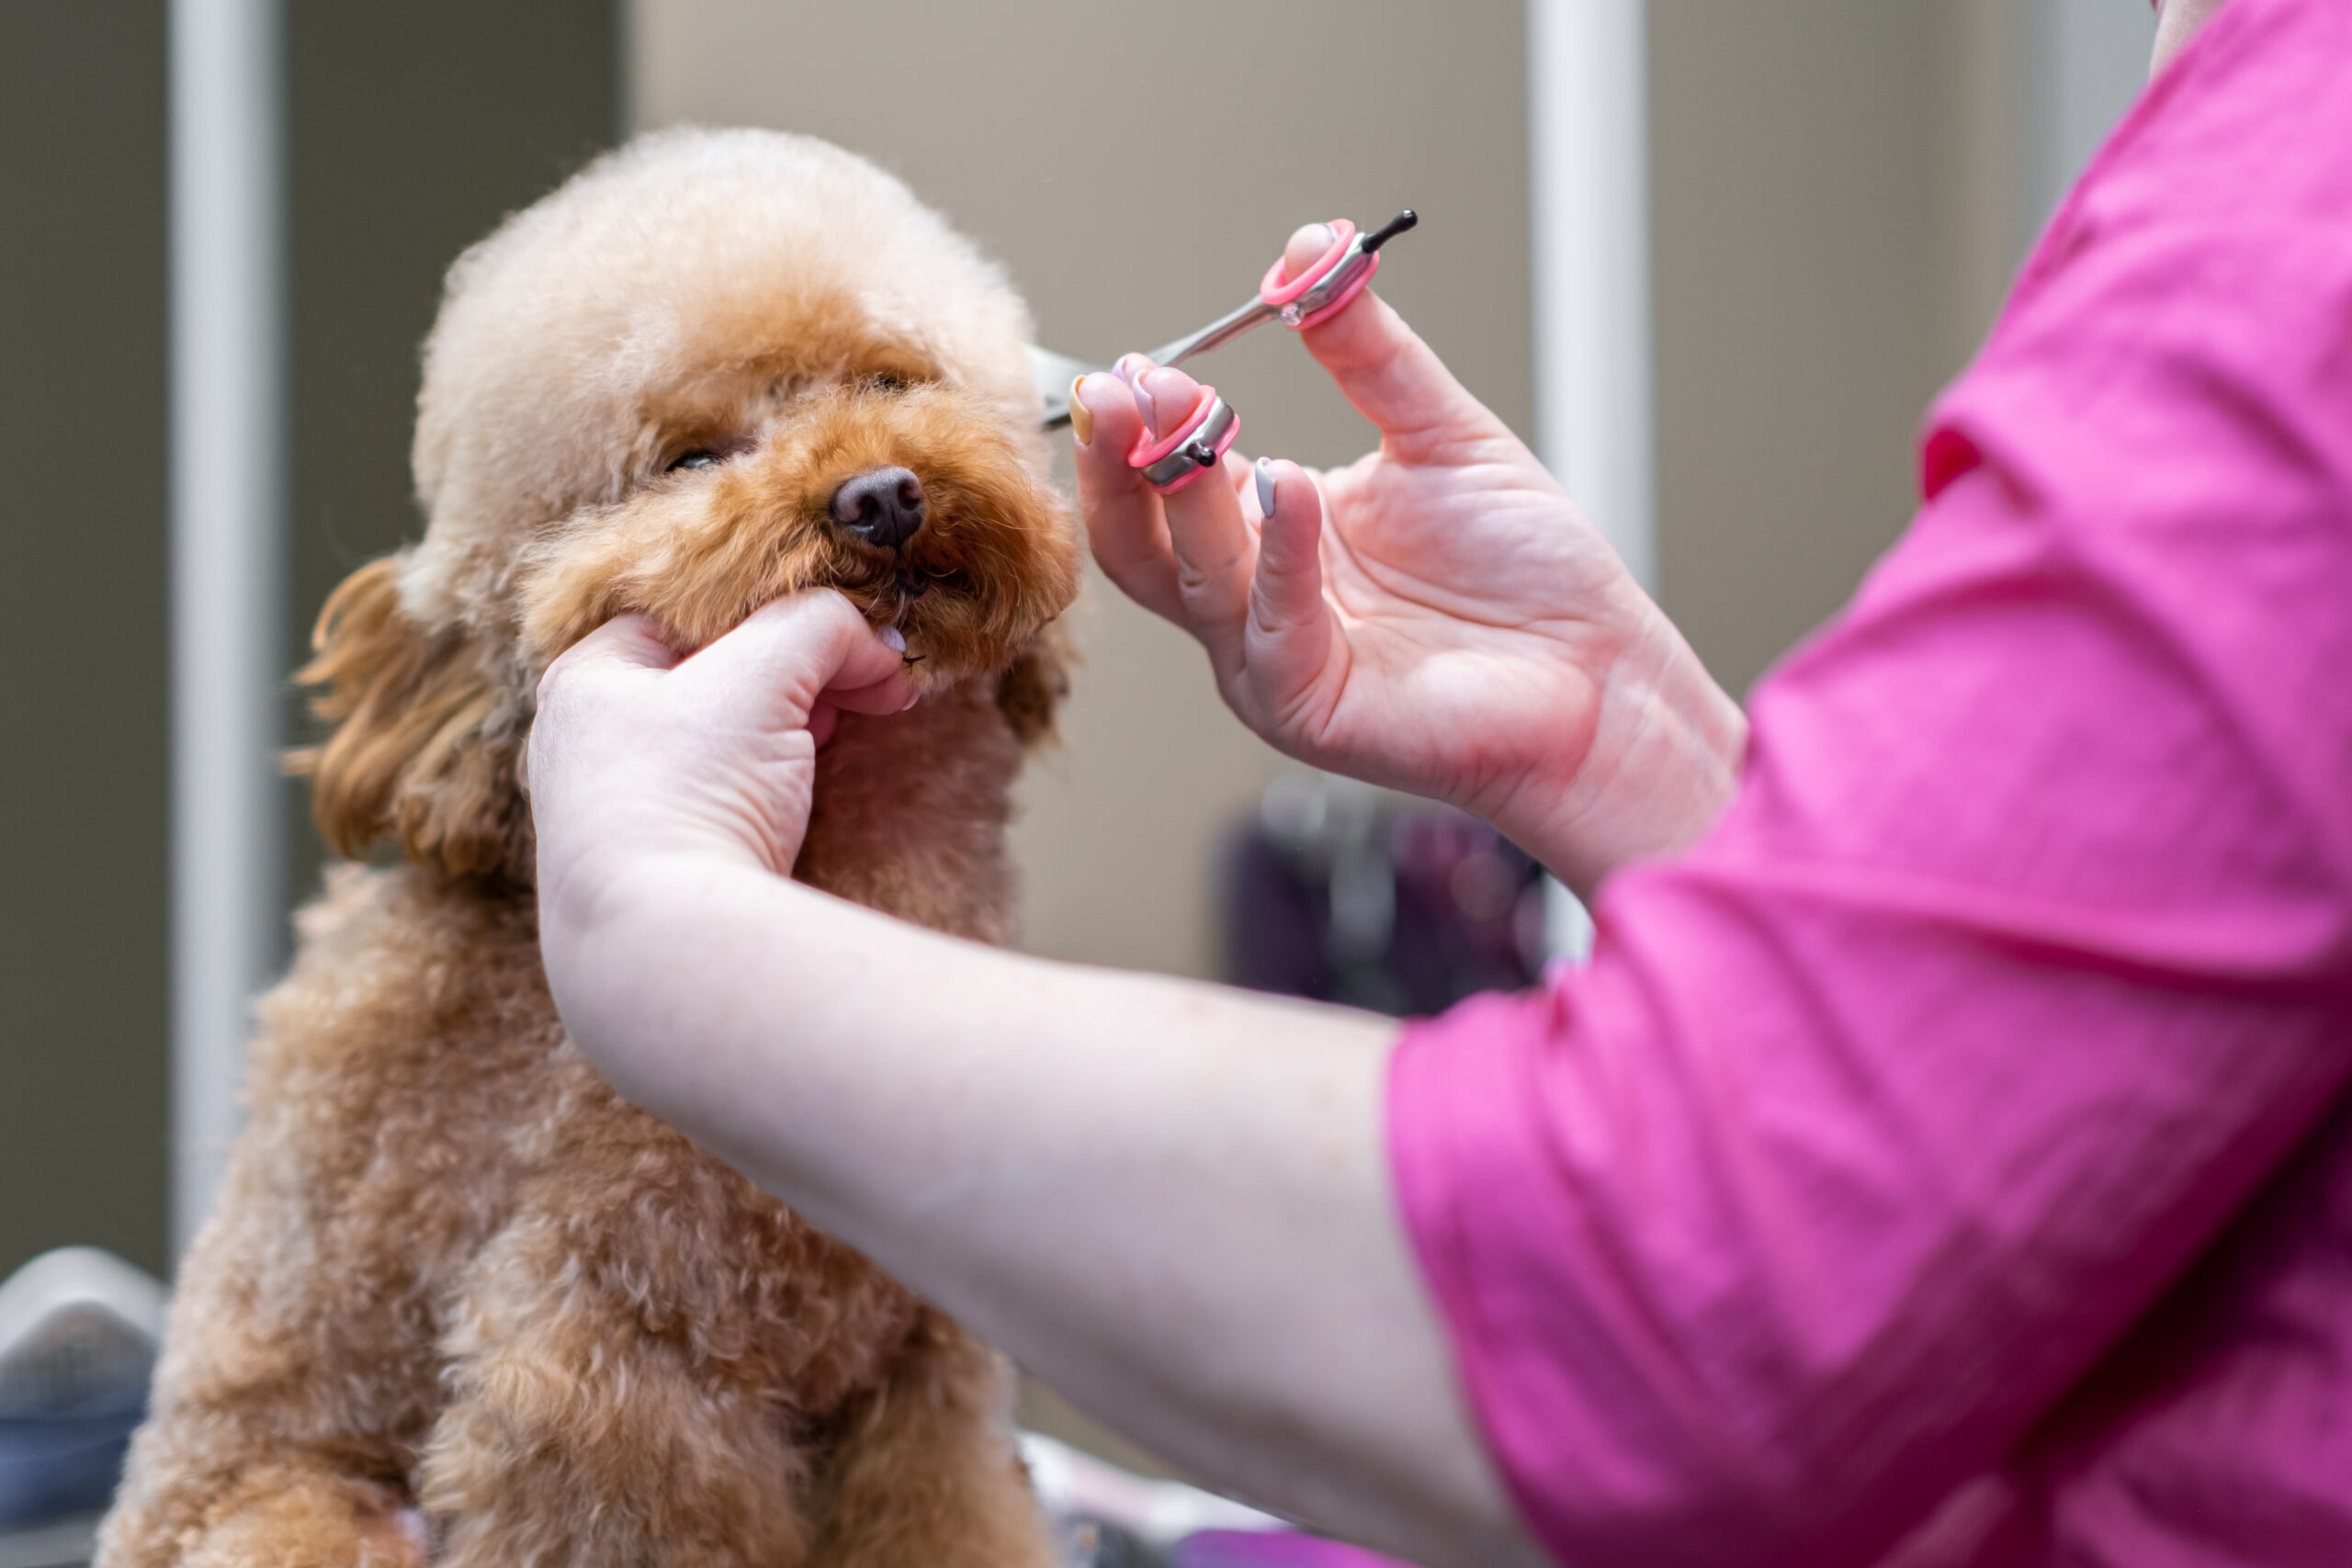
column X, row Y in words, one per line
column 67, row 1544
column 1107, row 1517
column 78, row 1334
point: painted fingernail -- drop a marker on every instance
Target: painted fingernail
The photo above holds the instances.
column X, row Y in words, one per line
column 1266, row 487
column 1082, row 418
column 1145, row 405
column 1131, row 367
column 912, row 700
column 894, row 640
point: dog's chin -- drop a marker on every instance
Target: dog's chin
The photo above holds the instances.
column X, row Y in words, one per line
column 955, row 622
column 949, row 634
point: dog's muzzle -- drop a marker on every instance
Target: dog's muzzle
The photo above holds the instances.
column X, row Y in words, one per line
column 883, row 508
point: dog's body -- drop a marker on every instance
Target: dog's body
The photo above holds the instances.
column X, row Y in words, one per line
column 459, row 1299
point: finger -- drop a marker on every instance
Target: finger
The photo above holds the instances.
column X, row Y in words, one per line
column 1288, row 641
column 1214, row 549
column 1395, row 380
column 626, row 642
column 1164, row 397
column 1123, row 520
column 893, row 694
column 822, row 720
column 1306, row 245
column 791, row 650
column 1287, row 590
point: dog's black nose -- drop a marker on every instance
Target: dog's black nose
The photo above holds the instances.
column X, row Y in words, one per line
column 883, row 508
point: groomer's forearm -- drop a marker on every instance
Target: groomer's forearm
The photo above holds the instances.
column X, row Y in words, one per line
column 1169, row 1199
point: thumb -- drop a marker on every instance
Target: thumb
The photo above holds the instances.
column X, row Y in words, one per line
column 791, row 651
column 1287, row 596
column 1290, row 623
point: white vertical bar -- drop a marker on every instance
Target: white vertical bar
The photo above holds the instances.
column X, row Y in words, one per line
column 1587, row 113
column 226, row 434
column 2088, row 62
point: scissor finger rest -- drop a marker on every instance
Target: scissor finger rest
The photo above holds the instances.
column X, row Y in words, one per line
column 1197, row 443
column 1337, row 276
column 1303, row 301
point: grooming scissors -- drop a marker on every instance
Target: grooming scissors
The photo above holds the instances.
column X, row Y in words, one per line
column 1337, row 276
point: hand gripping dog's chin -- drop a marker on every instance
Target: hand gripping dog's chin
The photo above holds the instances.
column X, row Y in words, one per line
column 459, row 1301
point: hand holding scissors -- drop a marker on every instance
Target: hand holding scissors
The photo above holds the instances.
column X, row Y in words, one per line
column 1436, row 615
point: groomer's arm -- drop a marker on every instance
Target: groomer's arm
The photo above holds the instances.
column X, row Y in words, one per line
column 1170, row 1200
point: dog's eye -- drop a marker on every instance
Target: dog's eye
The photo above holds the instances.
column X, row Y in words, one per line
column 700, row 458
column 887, row 383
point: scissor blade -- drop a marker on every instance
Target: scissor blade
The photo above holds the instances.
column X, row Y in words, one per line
column 1053, row 374
column 1217, row 334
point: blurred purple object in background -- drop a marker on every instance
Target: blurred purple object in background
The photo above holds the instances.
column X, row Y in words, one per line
column 1280, row 1549
column 1336, row 892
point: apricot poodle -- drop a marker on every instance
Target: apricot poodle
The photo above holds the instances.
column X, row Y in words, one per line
column 459, row 1303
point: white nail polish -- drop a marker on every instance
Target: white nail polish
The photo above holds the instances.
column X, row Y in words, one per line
column 1266, row 487
column 894, row 640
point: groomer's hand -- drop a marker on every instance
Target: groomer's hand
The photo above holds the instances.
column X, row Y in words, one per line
column 637, row 753
column 1437, row 615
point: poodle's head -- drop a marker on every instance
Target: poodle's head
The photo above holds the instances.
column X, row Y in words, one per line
column 713, row 368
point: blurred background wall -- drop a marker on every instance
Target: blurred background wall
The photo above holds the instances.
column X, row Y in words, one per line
column 1840, row 191
column 85, row 769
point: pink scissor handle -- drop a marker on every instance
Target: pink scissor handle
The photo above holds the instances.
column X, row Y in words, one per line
column 1282, row 298
column 1320, row 292
column 1197, row 443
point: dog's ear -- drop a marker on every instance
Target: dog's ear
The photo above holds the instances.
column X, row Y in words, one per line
column 423, row 750
column 1030, row 693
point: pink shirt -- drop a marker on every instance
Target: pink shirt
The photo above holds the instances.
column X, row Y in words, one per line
column 1951, row 1157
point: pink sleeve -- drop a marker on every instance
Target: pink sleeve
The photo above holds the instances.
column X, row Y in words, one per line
column 2020, row 958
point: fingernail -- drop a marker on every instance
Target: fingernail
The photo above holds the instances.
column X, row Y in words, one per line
column 894, row 640
column 912, row 700
column 1266, row 487
column 1082, row 418
column 1147, row 406
column 1131, row 367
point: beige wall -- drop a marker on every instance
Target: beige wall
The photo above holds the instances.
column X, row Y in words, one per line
column 1842, row 191
column 1831, row 199
column 84, row 659
column 1137, row 183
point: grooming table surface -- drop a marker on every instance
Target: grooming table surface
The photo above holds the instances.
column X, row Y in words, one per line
column 65, row 1544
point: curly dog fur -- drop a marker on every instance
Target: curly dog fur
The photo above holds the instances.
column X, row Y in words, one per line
column 459, row 1303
